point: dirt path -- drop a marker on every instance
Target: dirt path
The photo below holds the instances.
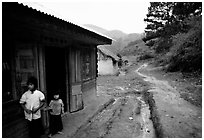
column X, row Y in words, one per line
column 142, row 107
column 177, row 117
column 127, row 117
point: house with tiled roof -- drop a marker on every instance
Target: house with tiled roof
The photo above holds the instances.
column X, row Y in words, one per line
column 107, row 62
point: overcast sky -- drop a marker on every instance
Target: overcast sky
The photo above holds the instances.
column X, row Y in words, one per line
column 125, row 15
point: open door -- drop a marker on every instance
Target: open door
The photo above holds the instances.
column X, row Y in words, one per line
column 76, row 100
column 56, row 73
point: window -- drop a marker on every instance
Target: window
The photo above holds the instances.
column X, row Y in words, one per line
column 26, row 62
column 87, row 65
column 25, row 67
column 82, row 65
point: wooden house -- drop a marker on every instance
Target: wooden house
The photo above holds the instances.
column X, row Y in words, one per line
column 60, row 54
column 107, row 62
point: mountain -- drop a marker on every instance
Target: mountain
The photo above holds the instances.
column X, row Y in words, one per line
column 135, row 48
column 96, row 28
column 115, row 34
column 121, row 39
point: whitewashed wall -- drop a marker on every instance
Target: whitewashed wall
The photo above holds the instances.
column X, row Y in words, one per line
column 105, row 67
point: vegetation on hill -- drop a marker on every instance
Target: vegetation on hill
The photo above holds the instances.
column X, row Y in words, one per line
column 184, row 50
column 121, row 39
column 173, row 36
column 119, row 43
column 138, row 49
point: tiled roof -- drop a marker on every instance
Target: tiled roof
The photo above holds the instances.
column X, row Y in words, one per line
column 108, row 53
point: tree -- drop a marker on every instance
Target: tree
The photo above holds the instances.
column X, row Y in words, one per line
column 159, row 13
column 166, row 18
column 181, row 10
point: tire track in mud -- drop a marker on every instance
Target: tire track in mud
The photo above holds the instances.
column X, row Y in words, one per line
column 126, row 117
column 148, row 97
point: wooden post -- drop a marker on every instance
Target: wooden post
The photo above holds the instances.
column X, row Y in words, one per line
column 67, row 55
column 42, row 83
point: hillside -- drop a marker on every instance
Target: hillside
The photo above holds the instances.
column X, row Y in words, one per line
column 179, row 52
column 96, row 28
column 182, row 51
column 137, row 49
column 115, row 34
column 121, row 39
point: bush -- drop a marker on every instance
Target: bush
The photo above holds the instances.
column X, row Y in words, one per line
column 163, row 45
column 150, row 43
column 182, row 51
column 146, row 56
column 187, row 49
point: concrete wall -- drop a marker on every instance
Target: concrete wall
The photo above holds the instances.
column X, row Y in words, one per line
column 105, row 67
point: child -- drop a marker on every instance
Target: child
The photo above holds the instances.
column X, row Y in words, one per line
column 32, row 101
column 57, row 108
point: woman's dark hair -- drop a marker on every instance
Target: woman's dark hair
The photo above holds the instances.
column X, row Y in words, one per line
column 33, row 80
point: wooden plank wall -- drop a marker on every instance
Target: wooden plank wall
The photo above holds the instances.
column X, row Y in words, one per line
column 13, row 122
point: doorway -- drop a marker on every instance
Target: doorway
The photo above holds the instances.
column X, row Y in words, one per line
column 55, row 65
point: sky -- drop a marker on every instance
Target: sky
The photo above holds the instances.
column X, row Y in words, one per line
column 125, row 15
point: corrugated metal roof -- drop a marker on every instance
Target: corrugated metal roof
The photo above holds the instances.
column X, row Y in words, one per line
column 46, row 11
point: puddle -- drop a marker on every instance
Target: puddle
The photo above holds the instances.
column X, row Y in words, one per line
column 147, row 124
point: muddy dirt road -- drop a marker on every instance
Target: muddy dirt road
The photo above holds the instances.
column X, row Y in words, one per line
column 142, row 106
column 176, row 117
column 125, row 117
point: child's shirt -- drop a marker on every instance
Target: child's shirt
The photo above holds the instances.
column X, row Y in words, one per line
column 57, row 107
column 32, row 100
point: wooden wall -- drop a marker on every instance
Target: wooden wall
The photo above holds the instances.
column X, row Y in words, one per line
column 14, row 124
column 82, row 71
column 38, row 33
